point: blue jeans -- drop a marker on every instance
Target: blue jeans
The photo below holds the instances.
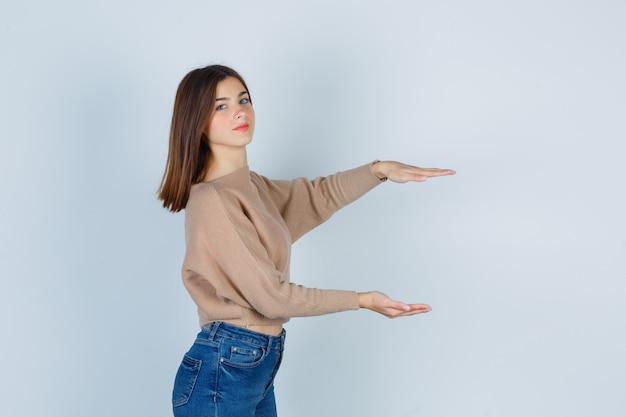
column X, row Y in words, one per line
column 228, row 372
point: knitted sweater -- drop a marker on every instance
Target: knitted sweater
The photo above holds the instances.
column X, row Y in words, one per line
column 239, row 229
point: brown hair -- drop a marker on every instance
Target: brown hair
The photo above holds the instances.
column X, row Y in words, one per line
column 189, row 147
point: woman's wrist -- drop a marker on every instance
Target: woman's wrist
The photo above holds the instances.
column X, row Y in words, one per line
column 363, row 300
column 378, row 170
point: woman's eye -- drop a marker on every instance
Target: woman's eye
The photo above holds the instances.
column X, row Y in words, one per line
column 244, row 101
column 221, row 107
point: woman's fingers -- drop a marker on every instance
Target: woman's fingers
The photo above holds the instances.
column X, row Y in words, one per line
column 381, row 303
column 401, row 173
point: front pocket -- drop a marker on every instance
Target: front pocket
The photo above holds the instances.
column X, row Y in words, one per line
column 185, row 381
column 241, row 354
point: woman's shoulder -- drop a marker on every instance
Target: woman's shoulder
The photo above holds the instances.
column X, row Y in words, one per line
column 226, row 189
column 202, row 196
column 235, row 179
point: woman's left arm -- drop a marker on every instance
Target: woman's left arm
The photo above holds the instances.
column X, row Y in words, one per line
column 401, row 173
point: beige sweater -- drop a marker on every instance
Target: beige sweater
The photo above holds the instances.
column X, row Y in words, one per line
column 239, row 230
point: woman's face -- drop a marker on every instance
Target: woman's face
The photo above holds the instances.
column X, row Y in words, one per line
column 232, row 121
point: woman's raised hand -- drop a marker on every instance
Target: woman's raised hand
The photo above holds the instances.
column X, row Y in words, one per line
column 401, row 173
column 381, row 303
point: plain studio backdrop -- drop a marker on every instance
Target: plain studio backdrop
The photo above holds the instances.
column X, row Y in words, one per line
column 522, row 254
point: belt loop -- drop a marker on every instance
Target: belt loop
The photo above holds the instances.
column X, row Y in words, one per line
column 214, row 327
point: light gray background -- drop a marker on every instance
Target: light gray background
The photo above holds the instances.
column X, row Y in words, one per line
column 522, row 255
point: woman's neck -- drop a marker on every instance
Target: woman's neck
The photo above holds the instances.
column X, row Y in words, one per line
column 223, row 162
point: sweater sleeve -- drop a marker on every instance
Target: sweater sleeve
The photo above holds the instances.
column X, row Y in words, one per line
column 226, row 264
column 305, row 204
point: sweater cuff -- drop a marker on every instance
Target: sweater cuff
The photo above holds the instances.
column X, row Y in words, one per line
column 381, row 179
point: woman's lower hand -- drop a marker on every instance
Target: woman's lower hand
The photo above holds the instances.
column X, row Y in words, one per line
column 381, row 303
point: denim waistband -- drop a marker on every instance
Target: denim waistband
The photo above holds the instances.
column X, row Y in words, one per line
column 219, row 329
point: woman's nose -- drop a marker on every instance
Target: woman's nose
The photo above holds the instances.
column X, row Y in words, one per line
column 240, row 112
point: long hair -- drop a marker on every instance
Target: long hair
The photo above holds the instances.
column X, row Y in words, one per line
column 189, row 147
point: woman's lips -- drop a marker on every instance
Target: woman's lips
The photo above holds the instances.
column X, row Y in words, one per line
column 242, row 127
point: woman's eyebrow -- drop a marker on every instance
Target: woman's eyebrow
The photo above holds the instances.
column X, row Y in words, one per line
column 243, row 93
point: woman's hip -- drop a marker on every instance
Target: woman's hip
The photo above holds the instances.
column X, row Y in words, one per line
column 228, row 369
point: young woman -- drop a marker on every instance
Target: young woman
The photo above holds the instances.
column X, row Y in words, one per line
column 239, row 227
